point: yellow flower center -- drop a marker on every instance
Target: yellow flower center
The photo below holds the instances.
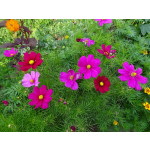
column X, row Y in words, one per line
column 101, row 83
column 147, row 106
column 103, row 19
column 41, row 97
column 86, row 41
column 88, row 66
column 11, row 54
column 115, row 122
column 71, row 77
column 133, row 74
column 31, row 62
column 32, row 81
column 106, row 53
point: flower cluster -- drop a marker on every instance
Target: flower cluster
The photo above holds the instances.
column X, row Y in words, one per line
column 12, row 25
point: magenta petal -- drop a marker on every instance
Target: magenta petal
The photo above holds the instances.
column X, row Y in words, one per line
column 88, row 44
column 47, row 100
column 82, row 62
column 103, row 47
column 90, row 59
column 32, row 96
column 74, row 86
column 39, row 103
column 48, row 94
column 126, row 66
column 141, row 79
column 33, row 74
column 137, row 86
column 113, row 51
column 124, row 78
column 83, row 70
column 63, row 76
column 44, row 105
column 33, row 102
column 98, row 69
column 96, row 62
column 78, row 76
column 97, row 19
column 94, row 73
column 131, row 82
column 92, row 42
column 68, row 83
column 36, row 91
column 71, row 72
column 43, row 89
column 131, row 67
column 101, row 23
column 138, row 71
column 100, row 51
column 87, row 75
column 108, row 48
column 123, row 71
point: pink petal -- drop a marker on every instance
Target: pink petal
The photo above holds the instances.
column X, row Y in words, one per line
column 47, row 100
column 113, row 51
column 68, row 83
column 36, row 91
column 97, row 19
column 131, row 67
column 90, row 59
column 103, row 47
column 88, row 44
column 33, row 102
column 38, row 56
column 27, row 56
column 123, row 71
column 101, row 23
column 94, row 73
column 100, row 51
column 37, row 63
column 92, row 42
column 39, row 103
column 74, row 86
column 43, row 89
column 87, row 75
column 33, row 74
column 78, row 76
column 95, row 63
column 32, row 55
column 63, row 76
column 124, row 78
column 33, row 96
column 138, row 71
column 82, row 62
column 108, row 48
column 137, row 86
column 131, row 82
column 126, row 66
column 27, row 84
column 48, row 93
column 141, row 79
column 83, row 70
column 98, row 69
column 71, row 72
column 44, row 105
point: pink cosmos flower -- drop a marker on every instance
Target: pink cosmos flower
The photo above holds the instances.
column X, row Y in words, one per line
column 89, row 66
column 128, row 73
column 87, row 41
column 10, row 53
column 5, row 102
column 103, row 21
column 30, row 80
column 70, row 78
column 107, row 51
column 40, row 97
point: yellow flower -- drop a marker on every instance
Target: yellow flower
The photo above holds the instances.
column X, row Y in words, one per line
column 147, row 90
column 115, row 122
column 67, row 37
column 147, row 105
column 144, row 52
column 12, row 25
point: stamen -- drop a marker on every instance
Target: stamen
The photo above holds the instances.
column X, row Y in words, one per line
column 88, row 66
column 31, row 62
column 133, row 74
column 71, row 77
column 86, row 41
column 41, row 97
column 32, row 81
column 101, row 83
column 11, row 54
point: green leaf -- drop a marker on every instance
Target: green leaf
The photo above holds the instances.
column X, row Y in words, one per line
column 145, row 28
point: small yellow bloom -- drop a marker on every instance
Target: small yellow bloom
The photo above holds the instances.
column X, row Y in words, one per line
column 147, row 105
column 115, row 122
column 147, row 90
column 12, row 25
column 67, row 37
column 144, row 52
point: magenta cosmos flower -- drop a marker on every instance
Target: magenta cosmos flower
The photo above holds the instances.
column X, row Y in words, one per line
column 10, row 53
column 70, row 79
column 107, row 51
column 30, row 80
column 87, row 41
column 40, row 97
column 89, row 66
column 5, row 102
column 128, row 73
column 103, row 21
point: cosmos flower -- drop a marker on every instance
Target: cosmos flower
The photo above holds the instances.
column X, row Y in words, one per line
column 31, row 60
column 107, row 51
column 70, row 79
column 40, row 97
column 12, row 25
column 5, row 102
column 30, row 80
column 10, row 53
column 89, row 66
column 102, row 84
column 73, row 128
column 78, row 40
column 87, row 41
column 133, row 76
column 103, row 21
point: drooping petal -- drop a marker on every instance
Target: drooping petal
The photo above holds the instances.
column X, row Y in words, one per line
column 27, row 84
column 37, row 63
column 90, row 59
column 141, row 79
column 82, row 62
column 126, row 66
column 123, row 71
column 87, row 75
column 101, row 23
column 108, row 48
column 43, row 90
column 78, row 76
column 68, row 83
column 33, row 102
column 63, row 76
column 124, row 78
column 137, row 86
column 131, row 82
column 74, row 86
column 100, row 51
column 26, row 67
column 44, row 105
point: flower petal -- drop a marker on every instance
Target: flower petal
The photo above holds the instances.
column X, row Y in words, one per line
column 98, row 69
column 71, row 72
column 101, row 89
column 126, row 66
column 63, row 76
column 137, row 86
column 82, row 62
column 108, row 48
column 39, row 103
column 74, row 86
column 90, row 59
column 141, row 79
column 36, row 91
column 87, row 75
column 44, row 105
column 33, row 96
column 94, row 73
column 138, row 71
column 100, row 51
column 83, row 70
column 43, row 90
column 95, row 63
column 131, row 82
column 124, row 78
column 37, row 63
